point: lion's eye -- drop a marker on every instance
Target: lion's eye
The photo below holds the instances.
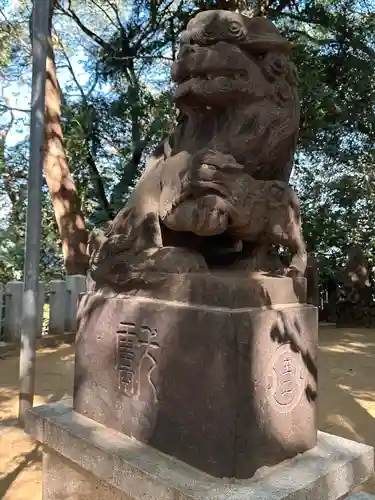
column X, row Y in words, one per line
column 260, row 56
column 234, row 28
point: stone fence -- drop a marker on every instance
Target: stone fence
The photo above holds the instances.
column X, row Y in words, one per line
column 58, row 318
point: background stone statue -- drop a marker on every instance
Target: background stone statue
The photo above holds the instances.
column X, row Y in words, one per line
column 355, row 306
column 215, row 193
column 356, row 271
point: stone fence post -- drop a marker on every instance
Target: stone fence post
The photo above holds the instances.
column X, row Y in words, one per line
column 1, row 307
column 75, row 286
column 57, row 307
column 13, row 310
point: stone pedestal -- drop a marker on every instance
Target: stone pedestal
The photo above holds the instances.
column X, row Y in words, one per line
column 84, row 460
column 222, row 377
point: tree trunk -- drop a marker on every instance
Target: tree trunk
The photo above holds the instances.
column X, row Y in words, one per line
column 65, row 200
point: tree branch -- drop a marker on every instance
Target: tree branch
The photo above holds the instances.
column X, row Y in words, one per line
column 100, row 191
column 131, row 167
column 347, row 32
column 69, row 12
column 115, row 10
column 12, row 108
column 151, row 27
column 5, row 173
column 70, row 68
column 96, row 177
column 13, row 28
column 96, row 79
column 105, row 13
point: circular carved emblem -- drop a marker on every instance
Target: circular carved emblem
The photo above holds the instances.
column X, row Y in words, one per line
column 286, row 378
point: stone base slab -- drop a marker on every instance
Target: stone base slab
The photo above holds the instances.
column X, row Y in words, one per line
column 84, row 460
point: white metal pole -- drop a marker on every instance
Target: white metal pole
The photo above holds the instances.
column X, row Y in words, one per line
column 40, row 20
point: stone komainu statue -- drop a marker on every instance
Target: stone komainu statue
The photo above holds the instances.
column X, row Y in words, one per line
column 216, row 191
column 355, row 287
column 355, row 277
column 183, row 339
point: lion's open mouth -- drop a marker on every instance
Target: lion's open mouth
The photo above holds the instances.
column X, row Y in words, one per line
column 206, row 87
column 212, row 75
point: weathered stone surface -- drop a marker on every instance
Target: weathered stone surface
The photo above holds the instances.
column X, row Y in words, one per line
column 106, row 464
column 215, row 193
column 227, row 289
column 64, row 480
column 168, row 373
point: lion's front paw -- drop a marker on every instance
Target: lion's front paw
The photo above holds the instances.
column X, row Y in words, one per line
column 210, row 216
column 176, row 260
column 205, row 216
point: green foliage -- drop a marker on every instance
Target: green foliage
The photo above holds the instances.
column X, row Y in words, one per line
column 335, row 56
column 114, row 119
column 12, row 244
column 5, row 47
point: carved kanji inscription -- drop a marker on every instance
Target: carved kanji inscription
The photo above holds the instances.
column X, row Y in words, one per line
column 286, row 374
column 136, row 360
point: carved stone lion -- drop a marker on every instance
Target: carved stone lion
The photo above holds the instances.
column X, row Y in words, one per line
column 216, row 191
column 355, row 277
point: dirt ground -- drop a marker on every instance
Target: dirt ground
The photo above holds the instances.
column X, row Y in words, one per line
column 346, row 402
